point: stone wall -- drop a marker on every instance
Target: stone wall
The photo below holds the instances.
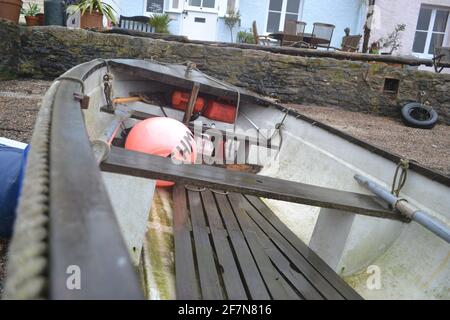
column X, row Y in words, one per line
column 46, row 52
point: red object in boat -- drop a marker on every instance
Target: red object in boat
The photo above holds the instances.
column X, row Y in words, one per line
column 220, row 111
column 163, row 137
column 180, row 101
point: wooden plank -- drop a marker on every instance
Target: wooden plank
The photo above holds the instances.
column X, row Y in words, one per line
column 320, row 265
column 191, row 104
column 298, row 280
column 304, row 266
column 272, row 278
column 154, row 167
column 186, row 281
column 233, row 284
column 253, row 280
column 209, row 278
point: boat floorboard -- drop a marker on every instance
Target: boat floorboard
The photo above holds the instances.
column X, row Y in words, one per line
column 232, row 246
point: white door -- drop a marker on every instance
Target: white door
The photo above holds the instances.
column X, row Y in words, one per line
column 200, row 19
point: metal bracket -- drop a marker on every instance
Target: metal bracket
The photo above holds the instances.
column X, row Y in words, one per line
column 83, row 99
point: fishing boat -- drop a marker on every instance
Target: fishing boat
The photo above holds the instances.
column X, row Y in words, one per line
column 262, row 203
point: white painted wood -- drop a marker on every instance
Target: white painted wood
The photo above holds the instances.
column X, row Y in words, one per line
column 330, row 235
column 198, row 25
column 12, row 143
column 131, row 198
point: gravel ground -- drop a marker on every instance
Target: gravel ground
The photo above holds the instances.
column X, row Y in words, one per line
column 19, row 105
column 431, row 148
column 3, row 251
column 20, row 99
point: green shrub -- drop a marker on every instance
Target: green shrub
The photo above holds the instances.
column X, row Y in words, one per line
column 160, row 22
column 245, row 37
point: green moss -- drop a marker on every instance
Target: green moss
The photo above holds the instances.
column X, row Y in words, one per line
column 160, row 248
column 7, row 74
column 161, row 215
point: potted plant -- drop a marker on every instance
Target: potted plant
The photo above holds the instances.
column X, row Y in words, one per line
column 245, row 37
column 30, row 14
column 160, row 23
column 10, row 10
column 393, row 40
column 41, row 18
column 92, row 12
column 232, row 19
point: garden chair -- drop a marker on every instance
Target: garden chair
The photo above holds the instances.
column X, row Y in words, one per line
column 293, row 33
column 259, row 40
column 322, row 35
column 441, row 58
column 350, row 43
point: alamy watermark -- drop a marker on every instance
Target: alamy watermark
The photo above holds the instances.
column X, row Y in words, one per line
column 73, row 281
column 218, row 147
column 373, row 282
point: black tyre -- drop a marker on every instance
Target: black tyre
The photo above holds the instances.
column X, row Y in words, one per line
column 417, row 115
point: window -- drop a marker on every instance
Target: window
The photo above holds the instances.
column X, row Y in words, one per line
column 280, row 11
column 231, row 5
column 155, row 6
column 430, row 30
column 203, row 3
column 160, row 6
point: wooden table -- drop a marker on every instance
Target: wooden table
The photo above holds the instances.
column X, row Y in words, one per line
column 305, row 37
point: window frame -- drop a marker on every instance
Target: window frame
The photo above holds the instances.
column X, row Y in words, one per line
column 283, row 13
column 430, row 31
column 150, row 13
column 201, row 8
column 167, row 7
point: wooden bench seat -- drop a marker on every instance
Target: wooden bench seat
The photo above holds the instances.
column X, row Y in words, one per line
column 231, row 246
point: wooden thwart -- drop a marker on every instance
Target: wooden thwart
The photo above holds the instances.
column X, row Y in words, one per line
column 153, row 167
column 238, row 252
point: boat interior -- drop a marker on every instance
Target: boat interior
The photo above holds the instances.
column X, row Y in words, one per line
column 269, row 209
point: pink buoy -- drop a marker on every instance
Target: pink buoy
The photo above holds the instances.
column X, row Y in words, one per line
column 163, row 137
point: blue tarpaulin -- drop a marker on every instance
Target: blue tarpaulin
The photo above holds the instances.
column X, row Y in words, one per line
column 12, row 164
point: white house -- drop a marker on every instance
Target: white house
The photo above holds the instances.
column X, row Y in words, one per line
column 427, row 24
column 203, row 19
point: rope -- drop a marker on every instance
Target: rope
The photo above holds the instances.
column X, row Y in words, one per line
column 224, row 193
column 403, row 165
column 278, row 128
column 192, row 188
column 28, row 252
column 107, row 82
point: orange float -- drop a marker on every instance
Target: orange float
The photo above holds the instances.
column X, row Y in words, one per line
column 163, row 137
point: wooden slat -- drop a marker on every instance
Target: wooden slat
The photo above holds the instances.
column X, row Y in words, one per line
column 250, row 272
column 231, row 278
column 272, row 278
column 304, row 266
column 343, row 288
column 301, row 283
column 209, row 279
column 154, row 167
column 187, row 287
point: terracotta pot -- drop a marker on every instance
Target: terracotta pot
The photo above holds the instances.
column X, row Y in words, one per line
column 92, row 20
column 41, row 18
column 10, row 10
column 32, row 21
